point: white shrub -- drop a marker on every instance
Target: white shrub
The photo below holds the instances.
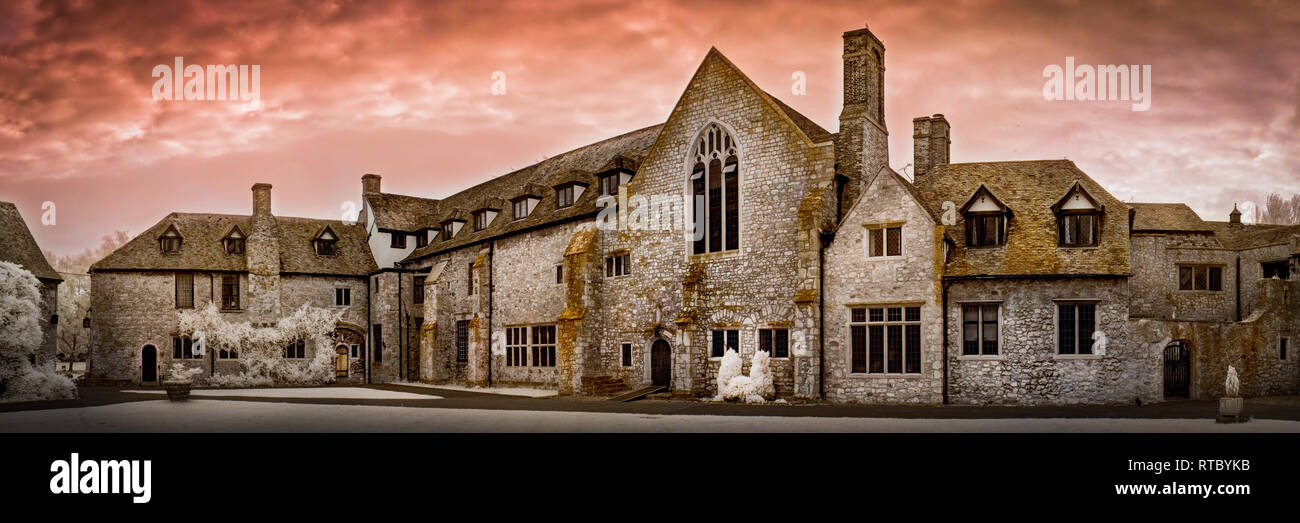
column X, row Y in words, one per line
column 261, row 348
column 730, row 368
column 20, row 338
column 760, row 371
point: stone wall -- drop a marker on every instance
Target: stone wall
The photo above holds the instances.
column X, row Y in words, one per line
column 1251, row 345
column 1028, row 370
column 130, row 310
column 854, row 280
column 1156, row 258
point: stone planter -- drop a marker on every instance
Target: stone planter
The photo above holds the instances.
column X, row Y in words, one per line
column 1230, row 410
column 178, row 390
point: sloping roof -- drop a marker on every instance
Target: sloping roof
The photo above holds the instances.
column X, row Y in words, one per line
column 1253, row 235
column 1029, row 189
column 815, row 132
column 19, row 247
column 577, row 165
column 1167, row 217
column 399, row 212
column 202, row 250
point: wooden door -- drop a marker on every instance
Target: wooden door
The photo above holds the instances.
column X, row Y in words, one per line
column 661, row 363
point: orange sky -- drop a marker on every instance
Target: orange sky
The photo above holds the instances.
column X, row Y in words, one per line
column 403, row 89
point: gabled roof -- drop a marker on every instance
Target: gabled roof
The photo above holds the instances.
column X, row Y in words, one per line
column 1167, row 217
column 538, row 179
column 1029, row 189
column 202, row 249
column 983, row 191
column 18, row 246
column 398, row 212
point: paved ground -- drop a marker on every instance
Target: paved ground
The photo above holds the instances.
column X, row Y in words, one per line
column 1285, row 408
column 206, row 415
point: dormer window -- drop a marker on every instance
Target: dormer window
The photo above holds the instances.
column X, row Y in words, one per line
column 234, row 241
column 483, row 218
column 520, row 207
column 170, row 241
column 609, row 184
column 986, row 219
column 397, row 240
column 1078, row 218
column 564, row 195
column 326, row 243
column 450, row 228
column 421, row 238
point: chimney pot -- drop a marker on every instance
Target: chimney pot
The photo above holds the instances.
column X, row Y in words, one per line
column 931, row 143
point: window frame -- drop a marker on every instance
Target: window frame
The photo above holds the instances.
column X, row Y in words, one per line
column 625, row 353
column 1063, row 217
column 974, row 218
column 517, row 204
column 396, row 240
column 462, row 341
column 1078, row 340
column 183, row 349
column 517, row 346
column 190, row 291
column 231, row 301
column 618, row 265
column 729, row 335
column 877, row 234
column 544, row 350
column 342, row 297
column 713, row 170
column 417, row 288
column 961, row 329
column 768, row 342
column 608, row 188
column 1195, row 270
column 565, row 195
column 295, row 350
column 909, row 331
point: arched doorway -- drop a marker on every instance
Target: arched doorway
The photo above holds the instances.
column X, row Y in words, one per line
column 149, row 364
column 1178, row 370
column 661, row 363
column 341, row 361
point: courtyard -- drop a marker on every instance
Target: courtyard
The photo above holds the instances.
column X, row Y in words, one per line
column 424, row 408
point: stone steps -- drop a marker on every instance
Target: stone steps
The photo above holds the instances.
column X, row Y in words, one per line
column 603, row 386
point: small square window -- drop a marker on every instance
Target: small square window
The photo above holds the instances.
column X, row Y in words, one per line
column 397, row 240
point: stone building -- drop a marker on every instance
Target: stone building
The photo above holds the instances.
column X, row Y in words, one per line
column 255, row 268
column 17, row 246
column 740, row 224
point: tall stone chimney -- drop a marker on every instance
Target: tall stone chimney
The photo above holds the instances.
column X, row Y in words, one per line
column 370, row 184
column 262, row 295
column 862, row 145
column 931, row 143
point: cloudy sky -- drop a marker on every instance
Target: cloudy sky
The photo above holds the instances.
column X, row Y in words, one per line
column 404, row 89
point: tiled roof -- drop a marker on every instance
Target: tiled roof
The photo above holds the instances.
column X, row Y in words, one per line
column 815, row 132
column 578, row 165
column 399, row 212
column 202, row 250
column 1167, row 217
column 19, row 247
column 1029, row 189
column 1252, row 235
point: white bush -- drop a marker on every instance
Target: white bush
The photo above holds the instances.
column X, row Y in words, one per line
column 180, row 372
column 20, row 338
column 734, row 386
column 730, row 368
column 261, row 348
column 760, row 371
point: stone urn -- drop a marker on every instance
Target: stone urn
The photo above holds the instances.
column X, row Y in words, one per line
column 178, row 390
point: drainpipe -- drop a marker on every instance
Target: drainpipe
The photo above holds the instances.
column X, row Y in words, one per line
column 944, row 300
column 1237, row 276
column 492, row 251
column 401, row 325
column 821, row 320
column 370, row 330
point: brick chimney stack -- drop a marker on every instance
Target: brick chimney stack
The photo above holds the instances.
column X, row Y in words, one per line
column 261, row 199
column 862, row 144
column 370, row 184
column 931, row 144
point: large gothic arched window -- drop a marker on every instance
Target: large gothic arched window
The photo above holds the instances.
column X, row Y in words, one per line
column 715, row 187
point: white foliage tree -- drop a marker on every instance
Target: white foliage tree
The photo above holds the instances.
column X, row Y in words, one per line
column 261, row 349
column 760, row 371
column 20, row 337
column 730, row 368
